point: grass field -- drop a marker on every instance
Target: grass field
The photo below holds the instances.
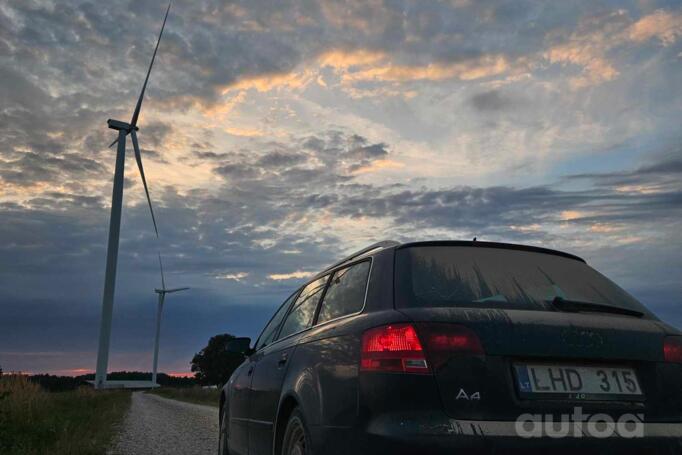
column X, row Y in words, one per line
column 196, row 395
column 34, row 421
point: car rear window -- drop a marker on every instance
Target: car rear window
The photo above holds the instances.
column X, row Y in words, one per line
column 442, row 276
column 346, row 292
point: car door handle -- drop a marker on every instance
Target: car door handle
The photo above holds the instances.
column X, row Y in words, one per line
column 282, row 360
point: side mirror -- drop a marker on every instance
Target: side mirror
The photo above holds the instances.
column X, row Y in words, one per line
column 240, row 345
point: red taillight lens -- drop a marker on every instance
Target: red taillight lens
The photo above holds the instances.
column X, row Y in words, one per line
column 393, row 348
column 672, row 349
column 445, row 341
column 452, row 338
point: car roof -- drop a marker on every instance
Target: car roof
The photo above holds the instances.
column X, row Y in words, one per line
column 378, row 247
column 500, row 245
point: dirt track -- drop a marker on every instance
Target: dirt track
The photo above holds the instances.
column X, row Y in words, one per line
column 156, row 425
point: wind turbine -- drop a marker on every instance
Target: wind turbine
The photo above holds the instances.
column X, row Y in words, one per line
column 115, row 221
column 162, row 296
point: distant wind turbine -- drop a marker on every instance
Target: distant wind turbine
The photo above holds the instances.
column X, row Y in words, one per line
column 115, row 221
column 162, row 296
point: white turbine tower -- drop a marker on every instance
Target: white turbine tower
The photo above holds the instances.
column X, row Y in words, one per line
column 162, row 296
column 115, row 221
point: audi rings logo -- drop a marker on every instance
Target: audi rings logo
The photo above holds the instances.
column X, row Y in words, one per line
column 580, row 425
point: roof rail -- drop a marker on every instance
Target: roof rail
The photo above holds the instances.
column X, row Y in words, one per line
column 374, row 246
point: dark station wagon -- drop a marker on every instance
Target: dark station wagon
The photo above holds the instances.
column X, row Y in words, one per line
column 457, row 347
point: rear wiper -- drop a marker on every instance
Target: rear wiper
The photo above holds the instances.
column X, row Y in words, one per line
column 562, row 304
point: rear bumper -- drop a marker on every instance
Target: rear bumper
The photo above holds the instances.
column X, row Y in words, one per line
column 431, row 432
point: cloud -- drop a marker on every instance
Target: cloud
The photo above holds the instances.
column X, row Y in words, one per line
column 478, row 68
column 598, row 36
column 30, row 169
column 239, row 276
column 491, row 101
column 664, row 172
column 376, row 166
column 345, row 59
column 588, row 46
column 297, row 275
column 246, row 132
column 264, row 83
column 661, row 24
column 330, row 158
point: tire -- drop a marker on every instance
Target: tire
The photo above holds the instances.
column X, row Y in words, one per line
column 222, row 438
column 296, row 439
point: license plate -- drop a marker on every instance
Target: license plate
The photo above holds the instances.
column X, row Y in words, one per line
column 577, row 382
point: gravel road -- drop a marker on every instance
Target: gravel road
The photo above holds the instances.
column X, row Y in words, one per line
column 156, row 425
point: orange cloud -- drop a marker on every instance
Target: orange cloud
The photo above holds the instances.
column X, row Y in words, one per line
column 244, row 132
column 342, row 59
column 486, row 66
column 367, row 65
column 379, row 165
column 224, row 107
column 568, row 215
column 589, row 55
column 265, row 83
column 589, row 45
column 290, row 276
column 662, row 25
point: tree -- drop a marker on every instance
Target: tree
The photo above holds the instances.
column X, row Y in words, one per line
column 214, row 365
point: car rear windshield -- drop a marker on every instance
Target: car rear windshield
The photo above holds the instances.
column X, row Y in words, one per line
column 486, row 277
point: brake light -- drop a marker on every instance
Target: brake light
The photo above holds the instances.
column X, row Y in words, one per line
column 393, row 348
column 672, row 349
column 443, row 341
column 453, row 339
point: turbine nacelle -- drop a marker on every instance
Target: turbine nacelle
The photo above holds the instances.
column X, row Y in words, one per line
column 121, row 126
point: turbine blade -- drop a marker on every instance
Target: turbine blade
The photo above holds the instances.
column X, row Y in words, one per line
column 168, row 291
column 136, row 114
column 114, row 143
column 138, row 158
column 163, row 282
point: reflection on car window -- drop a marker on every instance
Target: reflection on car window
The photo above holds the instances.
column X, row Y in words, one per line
column 270, row 330
column 499, row 278
column 301, row 315
column 346, row 293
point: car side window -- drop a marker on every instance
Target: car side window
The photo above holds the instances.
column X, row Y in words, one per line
column 270, row 330
column 346, row 293
column 301, row 315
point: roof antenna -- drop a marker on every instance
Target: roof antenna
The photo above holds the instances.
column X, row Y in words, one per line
column 474, row 239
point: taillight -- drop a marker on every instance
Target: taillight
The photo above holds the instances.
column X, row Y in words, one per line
column 393, row 348
column 398, row 347
column 444, row 341
column 672, row 349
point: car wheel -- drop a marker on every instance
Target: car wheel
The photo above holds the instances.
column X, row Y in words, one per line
column 222, row 438
column 296, row 436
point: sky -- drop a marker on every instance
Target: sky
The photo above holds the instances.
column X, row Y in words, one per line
column 279, row 136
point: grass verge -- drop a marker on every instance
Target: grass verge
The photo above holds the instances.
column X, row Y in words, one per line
column 195, row 395
column 34, row 421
